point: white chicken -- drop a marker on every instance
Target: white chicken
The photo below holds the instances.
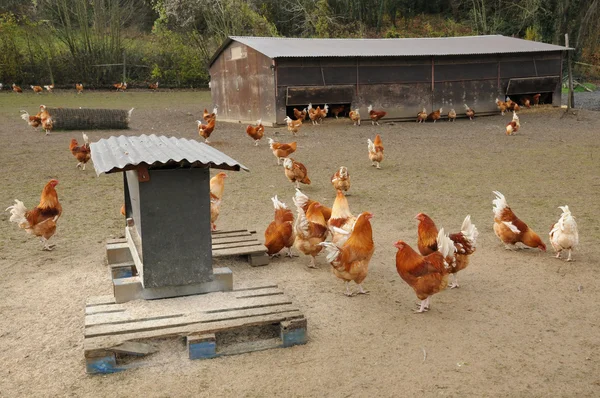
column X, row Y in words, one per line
column 564, row 234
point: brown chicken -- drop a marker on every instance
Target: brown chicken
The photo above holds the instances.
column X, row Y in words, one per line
column 536, row 99
column 427, row 275
column 341, row 221
column 513, row 126
column 464, row 243
column 79, row 88
column 303, row 201
column 375, row 151
column 501, row 106
column 120, row 86
column 526, row 102
column 323, row 113
column 511, row 105
column 153, row 86
column 300, row 115
column 16, row 88
column 355, row 117
column 296, row 172
column 49, row 87
column 123, row 213
column 311, row 230
column 81, row 153
column 375, row 116
column 469, row 112
column 435, row 115
column 37, row 89
column 282, row 151
column 452, row 115
column 314, row 114
column 207, row 116
column 205, row 130
column 293, row 125
column 34, row 121
column 47, row 121
column 510, row 229
column 422, row 116
column 215, row 209
column 280, row 234
column 256, row 132
column 217, row 184
column 337, row 109
column 341, row 179
column 41, row 220
column 350, row 259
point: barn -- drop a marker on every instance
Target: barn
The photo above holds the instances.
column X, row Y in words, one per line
column 266, row 77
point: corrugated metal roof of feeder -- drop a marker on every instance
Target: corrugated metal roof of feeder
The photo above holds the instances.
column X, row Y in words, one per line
column 123, row 153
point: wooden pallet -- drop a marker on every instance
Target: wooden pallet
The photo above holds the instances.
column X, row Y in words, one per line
column 113, row 330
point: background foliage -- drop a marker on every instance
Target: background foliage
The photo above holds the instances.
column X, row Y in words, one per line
column 171, row 41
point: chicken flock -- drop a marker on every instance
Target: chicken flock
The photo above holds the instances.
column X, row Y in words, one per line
column 439, row 255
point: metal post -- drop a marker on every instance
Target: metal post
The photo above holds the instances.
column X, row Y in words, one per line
column 571, row 98
column 124, row 69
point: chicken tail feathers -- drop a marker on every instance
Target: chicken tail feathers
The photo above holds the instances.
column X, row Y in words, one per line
column 277, row 204
column 499, row 203
column 129, row 112
column 370, row 145
column 25, row 115
column 469, row 230
column 332, row 252
column 17, row 214
column 445, row 246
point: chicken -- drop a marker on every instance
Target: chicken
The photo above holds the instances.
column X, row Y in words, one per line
column 34, row 121
column 375, row 116
column 120, row 86
column 452, row 115
column 217, row 184
column 510, row 229
column 469, row 112
column 435, row 115
column 314, row 114
column 300, row 115
column 280, row 234
column 123, row 213
column 526, row 102
column 47, row 122
column 350, row 260
column 296, row 172
column 256, row 133
column 207, row 116
column 215, row 209
column 511, row 105
column 41, row 220
column 355, row 117
column 341, row 179
column 341, row 221
column 16, row 88
column 336, row 110
column 37, row 89
column 514, row 125
column 311, row 230
column 501, row 106
column 79, row 88
column 293, row 125
column 422, row 116
column 81, row 153
column 464, row 242
column 303, row 201
column 49, row 87
column 427, row 275
column 323, row 113
column 281, row 151
column 153, row 86
column 375, row 151
column 536, row 99
column 564, row 234
column 205, row 130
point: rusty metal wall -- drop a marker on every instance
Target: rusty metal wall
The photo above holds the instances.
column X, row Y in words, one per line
column 243, row 85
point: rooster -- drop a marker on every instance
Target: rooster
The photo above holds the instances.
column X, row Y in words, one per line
column 435, row 115
column 375, row 116
column 375, row 151
column 501, row 106
column 513, row 126
column 153, row 86
column 303, row 201
column 293, row 125
column 341, row 221
column 41, row 220
column 427, row 275
column 564, row 234
column 49, row 87
column 17, row 89
column 311, row 230
column 81, row 153
column 295, row 172
column 79, row 88
column 256, row 133
column 300, row 115
column 464, row 242
column 205, row 130
column 280, row 232
column 34, row 121
column 469, row 112
column 282, row 151
column 37, row 89
column 341, row 179
column 207, row 116
column 350, row 259
column 510, row 229
column 452, row 115
column 422, row 116
column 355, row 117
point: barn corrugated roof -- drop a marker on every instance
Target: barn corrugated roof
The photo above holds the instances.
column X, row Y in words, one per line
column 125, row 153
column 282, row 47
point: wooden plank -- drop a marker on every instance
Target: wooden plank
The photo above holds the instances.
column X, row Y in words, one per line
column 258, row 292
column 190, row 319
column 235, row 239
column 116, row 241
column 99, row 300
column 249, row 346
column 101, row 342
column 221, row 246
column 236, row 251
column 115, row 318
column 134, row 348
column 230, row 234
column 104, row 308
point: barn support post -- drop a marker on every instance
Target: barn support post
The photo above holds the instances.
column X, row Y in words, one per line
column 571, row 98
column 124, row 68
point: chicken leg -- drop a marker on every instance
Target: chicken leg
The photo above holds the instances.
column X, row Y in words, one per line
column 45, row 245
column 361, row 290
column 569, row 258
column 454, row 282
column 313, row 263
column 289, row 253
column 255, row 142
column 424, row 306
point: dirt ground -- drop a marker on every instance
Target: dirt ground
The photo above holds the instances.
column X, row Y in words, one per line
column 522, row 324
